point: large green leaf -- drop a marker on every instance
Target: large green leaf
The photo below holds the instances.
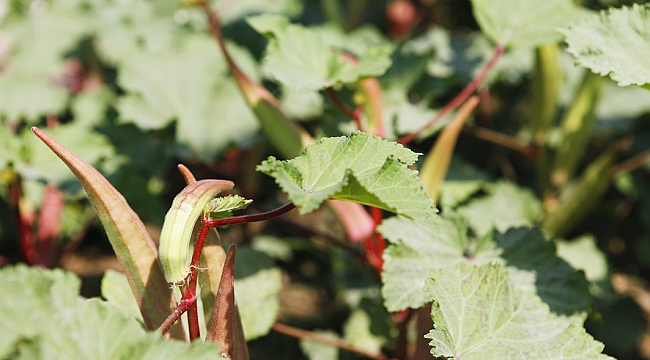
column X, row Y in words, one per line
column 39, row 42
column 614, row 43
column 362, row 168
column 524, row 23
column 209, row 110
column 479, row 313
column 309, row 58
column 44, row 318
column 417, row 249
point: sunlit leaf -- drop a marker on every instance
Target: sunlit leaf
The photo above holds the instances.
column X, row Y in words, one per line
column 362, row 168
column 479, row 313
column 614, row 42
column 44, row 318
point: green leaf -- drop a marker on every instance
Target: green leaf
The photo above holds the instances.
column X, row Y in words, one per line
column 209, row 110
column 362, row 168
column 41, row 163
column 505, row 206
column 535, row 267
column 523, row 23
column 257, row 284
column 309, row 58
column 44, row 318
column 44, row 97
column 38, row 42
column 417, row 249
column 614, row 42
column 223, row 206
column 480, row 314
column 367, row 327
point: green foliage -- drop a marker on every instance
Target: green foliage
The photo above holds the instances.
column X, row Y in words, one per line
column 614, row 43
column 524, row 23
column 462, row 296
column 44, row 318
column 222, row 207
column 309, row 59
column 362, row 168
column 417, row 249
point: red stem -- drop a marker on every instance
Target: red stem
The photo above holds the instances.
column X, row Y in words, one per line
column 353, row 114
column 339, row 343
column 460, row 98
column 251, row 218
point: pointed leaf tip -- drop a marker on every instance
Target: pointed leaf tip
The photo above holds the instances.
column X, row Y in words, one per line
column 130, row 240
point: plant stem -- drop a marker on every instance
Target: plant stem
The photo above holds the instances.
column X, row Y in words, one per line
column 502, row 140
column 176, row 314
column 353, row 114
column 311, row 336
column 460, row 98
column 252, row 217
column 632, row 163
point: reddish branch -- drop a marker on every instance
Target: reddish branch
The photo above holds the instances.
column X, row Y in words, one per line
column 311, row 336
column 460, row 98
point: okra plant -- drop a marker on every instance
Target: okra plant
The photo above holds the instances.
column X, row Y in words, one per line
column 444, row 179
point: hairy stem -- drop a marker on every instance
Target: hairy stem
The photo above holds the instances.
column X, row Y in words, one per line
column 460, row 98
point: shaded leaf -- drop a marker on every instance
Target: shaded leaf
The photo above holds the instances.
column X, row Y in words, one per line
column 583, row 253
column 416, row 250
column 480, row 314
